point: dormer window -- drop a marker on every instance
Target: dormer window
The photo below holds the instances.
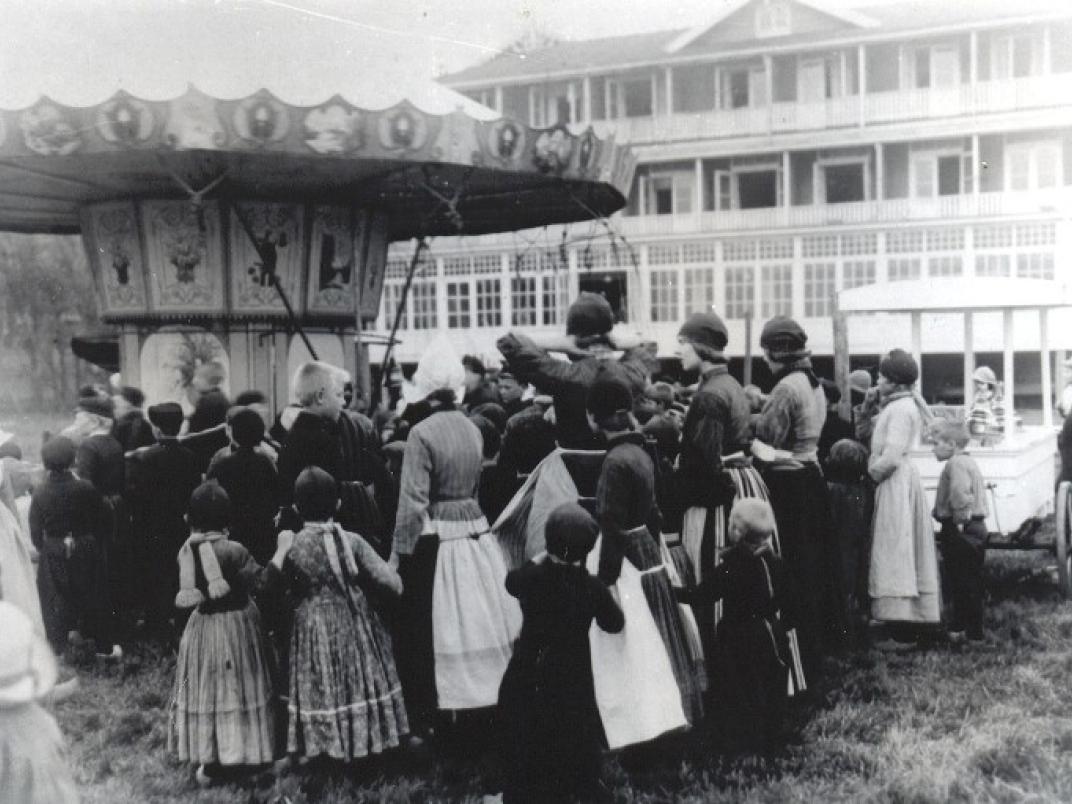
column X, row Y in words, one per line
column 772, row 19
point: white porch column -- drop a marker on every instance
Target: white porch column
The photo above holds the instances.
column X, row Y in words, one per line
column 506, row 298
column 977, row 173
column 587, row 99
column 880, row 173
column 917, row 343
column 668, row 83
column 861, row 64
column 573, row 275
column 969, row 359
column 787, row 180
column 698, row 197
column 1007, row 368
column 768, row 79
column 1047, row 381
column 499, row 99
column 441, row 295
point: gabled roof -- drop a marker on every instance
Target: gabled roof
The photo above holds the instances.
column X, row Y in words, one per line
column 608, row 55
column 728, row 9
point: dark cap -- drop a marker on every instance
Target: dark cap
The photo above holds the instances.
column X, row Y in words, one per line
column 57, row 454
column 167, row 416
column 570, row 532
column 608, row 395
column 783, row 337
column 899, row 367
column 316, row 494
column 589, row 315
column 474, row 364
column 705, row 329
column 493, row 412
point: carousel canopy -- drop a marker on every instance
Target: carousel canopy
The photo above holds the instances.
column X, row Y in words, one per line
column 102, row 102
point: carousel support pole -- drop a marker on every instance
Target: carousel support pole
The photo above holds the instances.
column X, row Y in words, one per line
column 414, row 264
column 1007, row 369
column 362, row 370
column 748, row 347
column 841, row 362
column 917, row 343
column 969, row 360
column 1047, row 380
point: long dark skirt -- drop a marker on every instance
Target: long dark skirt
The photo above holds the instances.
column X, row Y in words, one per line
column 73, row 585
column 414, row 636
column 801, row 510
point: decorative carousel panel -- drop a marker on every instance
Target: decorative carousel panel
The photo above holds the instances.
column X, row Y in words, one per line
column 114, row 249
column 269, row 251
column 185, row 256
column 334, row 254
column 169, row 360
column 374, row 226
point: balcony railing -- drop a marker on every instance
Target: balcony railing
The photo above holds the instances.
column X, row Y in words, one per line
column 878, row 107
column 857, row 213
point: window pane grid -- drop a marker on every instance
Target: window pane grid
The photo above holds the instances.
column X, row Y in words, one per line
column 820, row 246
column 777, row 290
column 945, row 266
column 1038, row 265
column 555, row 298
column 819, row 286
column 904, row 241
column 901, row 269
column 992, row 236
column 859, row 244
column 664, row 296
column 740, row 291
column 698, row 251
column 487, row 264
column 858, row 272
column 699, row 289
column 458, row 313
column 488, row 303
column 945, row 239
column 392, row 295
column 523, row 300
column 1035, row 234
column 423, row 296
column 663, row 255
column 992, row 264
column 776, row 248
column 739, row 250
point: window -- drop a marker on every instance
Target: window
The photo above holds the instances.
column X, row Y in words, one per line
column 458, row 315
column 454, row 266
column 1038, row 265
column 698, row 251
column 819, row 284
column 945, row 266
column 1033, row 166
column 523, row 301
column 1035, row 234
column 664, row 296
column 992, row 264
column 487, row 264
column 858, row 272
column 900, row 269
column 740, row 291
column 739, row 250
column 488, row 303
column 863, row 243
column 668, row 193
column 777, row 290
column 392, row 297
column 699, row 290
column 945, row 239
column 1016, row 56
column 424, row 304
column 936, row 174
column 903, row 241
column 844, row 182
column 757, row 189
column 629, row 97
column 555, row 297
column 742, row 87
column 662, row 255
column 993, row 236
column 779, row 248
column 819, row 245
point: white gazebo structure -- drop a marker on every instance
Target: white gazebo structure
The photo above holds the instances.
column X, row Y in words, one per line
column 1021, row 465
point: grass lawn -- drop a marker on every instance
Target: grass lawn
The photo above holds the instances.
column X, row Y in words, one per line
column 948, row 723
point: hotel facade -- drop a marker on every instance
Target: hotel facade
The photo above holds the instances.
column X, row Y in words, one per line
column 785, row 151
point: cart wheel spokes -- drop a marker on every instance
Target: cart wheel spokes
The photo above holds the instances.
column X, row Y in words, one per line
column 1063, row 536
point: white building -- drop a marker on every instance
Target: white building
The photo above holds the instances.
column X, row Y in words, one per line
column 787, row 150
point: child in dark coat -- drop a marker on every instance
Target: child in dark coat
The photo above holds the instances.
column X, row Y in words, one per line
column 852, row 502
column 751, row 656
column 553, row 734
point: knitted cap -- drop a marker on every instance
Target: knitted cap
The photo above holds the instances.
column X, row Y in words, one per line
column 247, row 426
column 57, row 454
column 899, row 367
column 590, row 314
column 210, row 507
column 848, row 458
column 705, row 329
column 167, row 416
column 570, row 532
column 608, row 395
column 782, row 336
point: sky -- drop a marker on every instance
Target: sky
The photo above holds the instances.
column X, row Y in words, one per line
column 60, row 44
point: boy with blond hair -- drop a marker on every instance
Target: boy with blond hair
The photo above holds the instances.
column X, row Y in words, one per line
column 960, row 506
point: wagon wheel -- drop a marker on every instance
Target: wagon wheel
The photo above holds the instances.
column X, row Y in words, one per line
column 1063, row 537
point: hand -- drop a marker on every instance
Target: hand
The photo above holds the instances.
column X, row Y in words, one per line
column 539, row 558
column 393, row 561
column 284, row 541
column 623, row 339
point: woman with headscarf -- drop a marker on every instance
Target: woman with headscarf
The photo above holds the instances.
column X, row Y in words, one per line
column 903, row 582
column 790, row 422
column 18, row 576
column 456, row 623
column 713, row 467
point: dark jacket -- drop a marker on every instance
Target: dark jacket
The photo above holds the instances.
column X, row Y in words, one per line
column 625, row 500
column 100, row 461
column 251, row 481
column 133, row 431
column 160, row 480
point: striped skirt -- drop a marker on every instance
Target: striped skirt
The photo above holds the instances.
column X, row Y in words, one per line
column 222, row 707
column 703, row 537
column 345, row 697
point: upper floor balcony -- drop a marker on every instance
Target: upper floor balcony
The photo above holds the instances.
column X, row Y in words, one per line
column 869, row 109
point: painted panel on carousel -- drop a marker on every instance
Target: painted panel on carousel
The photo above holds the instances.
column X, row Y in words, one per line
column 261, row 120
column 169, row 361
column 125, row 121
column 503, row 143
column 334, row 128
column 111, row 232
column 50, row 130
column 274, row 254
column 375, row 263
column 193, row 122
column 185, row 256
column 332, row 261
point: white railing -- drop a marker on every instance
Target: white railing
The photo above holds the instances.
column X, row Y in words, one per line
column 878, row 107
column 857, row 213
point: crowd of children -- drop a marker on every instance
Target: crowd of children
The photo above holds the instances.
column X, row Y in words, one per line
column 567, row 554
